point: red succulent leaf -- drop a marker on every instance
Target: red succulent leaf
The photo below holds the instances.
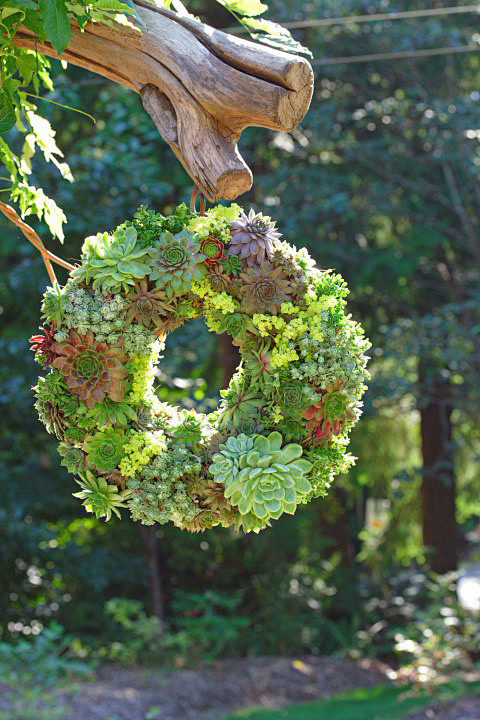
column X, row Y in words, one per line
column 43, row 345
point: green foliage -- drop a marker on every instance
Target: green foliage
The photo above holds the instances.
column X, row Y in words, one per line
column 374, row 204
column 430, row 634
column 142, row 443
column 72, row 457
column 207, row 625
column 139, row 636
column 56, row 24
column 35, row 671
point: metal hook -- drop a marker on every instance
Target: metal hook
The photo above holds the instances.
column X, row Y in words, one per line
column 193, row 202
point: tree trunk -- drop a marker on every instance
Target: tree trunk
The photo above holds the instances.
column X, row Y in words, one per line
column 201, row 87
column 440, row 534
column 150, row 542
column 229, row 358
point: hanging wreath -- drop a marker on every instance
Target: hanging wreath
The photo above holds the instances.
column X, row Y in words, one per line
column 280, row 433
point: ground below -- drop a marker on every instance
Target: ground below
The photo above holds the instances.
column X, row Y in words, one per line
column 212, row 692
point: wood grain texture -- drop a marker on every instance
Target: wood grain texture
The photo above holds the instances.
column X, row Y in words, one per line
column 201, row 88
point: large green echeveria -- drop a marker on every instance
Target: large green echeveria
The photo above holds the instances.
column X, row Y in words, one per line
column 271, row 479
column 113, row 262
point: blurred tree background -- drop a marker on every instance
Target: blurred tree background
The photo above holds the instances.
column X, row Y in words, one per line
column 381, row 182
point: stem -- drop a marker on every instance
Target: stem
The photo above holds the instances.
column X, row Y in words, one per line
column 66, row 107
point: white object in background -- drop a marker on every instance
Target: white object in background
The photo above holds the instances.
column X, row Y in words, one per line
column 468, row 590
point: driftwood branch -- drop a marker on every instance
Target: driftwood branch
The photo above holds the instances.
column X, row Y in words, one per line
column 201, row 88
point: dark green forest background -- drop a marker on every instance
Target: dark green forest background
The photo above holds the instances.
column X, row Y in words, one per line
column 381, row 182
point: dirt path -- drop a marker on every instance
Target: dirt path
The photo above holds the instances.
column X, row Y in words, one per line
column 465, row 709
column 214, row 691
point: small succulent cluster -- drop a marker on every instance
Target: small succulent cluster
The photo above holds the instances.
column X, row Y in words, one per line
column 280, row 433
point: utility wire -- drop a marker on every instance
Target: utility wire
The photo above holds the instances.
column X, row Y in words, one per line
column 375, row 17
column 347, row 59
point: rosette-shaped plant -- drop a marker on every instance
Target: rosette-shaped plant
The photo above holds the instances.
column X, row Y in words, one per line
column 238, row 404
column 99, row 497
column 53, row 305
column 231, row 264
column 109, row 412
column 92, row 370
column 177, row 263
column 237, row 325
column 219, row 281
column 291, row 430
column 225, row 463
column 189, row 432
column 113, row 262
column 258, row 365
column 271, row 479
column 105, row 449
column 213, row 249
column 147, row 307
column 290, row 398
column 73, row 458
column 327, row 418
column 253, row 236
column 55, row 406
column 264, row 289
column 214, row 507
column 52, row 417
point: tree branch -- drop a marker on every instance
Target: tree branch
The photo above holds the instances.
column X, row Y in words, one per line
column 201, row 87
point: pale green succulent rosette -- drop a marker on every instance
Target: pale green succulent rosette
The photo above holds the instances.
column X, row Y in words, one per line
column 225, row 465
column 266, row 479
column 113, row 262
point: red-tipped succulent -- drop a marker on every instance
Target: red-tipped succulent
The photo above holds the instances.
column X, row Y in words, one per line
column 327, row 418
column 42, row 345
column 92, row 369
column 213, row 249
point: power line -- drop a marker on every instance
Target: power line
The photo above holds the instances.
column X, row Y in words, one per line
column 375, row 17
column 347, row 59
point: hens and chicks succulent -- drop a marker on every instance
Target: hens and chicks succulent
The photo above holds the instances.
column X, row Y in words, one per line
column 279, row 435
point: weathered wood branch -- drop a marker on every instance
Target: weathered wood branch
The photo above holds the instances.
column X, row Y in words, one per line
column 201, row 88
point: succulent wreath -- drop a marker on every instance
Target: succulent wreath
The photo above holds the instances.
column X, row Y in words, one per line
column 280, row 433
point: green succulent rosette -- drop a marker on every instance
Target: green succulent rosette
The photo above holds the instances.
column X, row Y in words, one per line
column 105, row 449
column 270, row 479
column 280, row 432
column 113, row 262
column 177, row 263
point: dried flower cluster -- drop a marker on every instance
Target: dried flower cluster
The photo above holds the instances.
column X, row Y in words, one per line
column 280, row 433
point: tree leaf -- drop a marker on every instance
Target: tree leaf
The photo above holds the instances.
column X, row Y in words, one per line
column 7, row 112
column 246, row 7
column 56, row 23
column 273, row 34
